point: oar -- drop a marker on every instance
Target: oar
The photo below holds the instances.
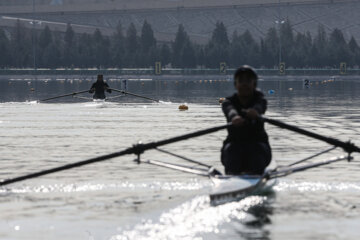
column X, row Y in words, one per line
column 347, row 146
column 66, row 95
column 135, row 95
column 136, row 149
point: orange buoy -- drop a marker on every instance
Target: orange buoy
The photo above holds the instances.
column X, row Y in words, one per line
column 183, row 107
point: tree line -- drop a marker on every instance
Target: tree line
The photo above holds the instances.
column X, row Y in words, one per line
column 130, row 49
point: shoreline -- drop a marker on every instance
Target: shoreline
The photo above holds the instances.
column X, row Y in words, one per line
column 169, row 74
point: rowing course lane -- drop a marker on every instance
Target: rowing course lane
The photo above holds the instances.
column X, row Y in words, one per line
column 118, row 199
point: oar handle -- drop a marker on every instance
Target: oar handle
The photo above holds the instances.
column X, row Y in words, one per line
column 135, row 95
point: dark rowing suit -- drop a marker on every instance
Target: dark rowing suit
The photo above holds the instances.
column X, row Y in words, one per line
column 246, row 148
column 99, row 90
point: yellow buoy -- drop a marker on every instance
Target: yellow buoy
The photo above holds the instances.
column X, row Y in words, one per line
column 183, row 107
column 32, row 89
column 221, row 100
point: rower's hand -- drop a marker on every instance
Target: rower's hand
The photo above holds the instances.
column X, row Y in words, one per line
column 252, row 114
column 238, row 121
column 92, row 90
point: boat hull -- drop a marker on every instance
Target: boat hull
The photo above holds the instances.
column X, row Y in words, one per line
column 232, row 188
column 99, row 100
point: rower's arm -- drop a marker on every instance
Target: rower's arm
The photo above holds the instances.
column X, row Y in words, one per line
column 107, row 88
column 229, row 110
column 92, row 89
column 260, row 105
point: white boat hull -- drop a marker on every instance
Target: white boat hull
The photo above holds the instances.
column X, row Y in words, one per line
column 231, row 188
column 99, row 100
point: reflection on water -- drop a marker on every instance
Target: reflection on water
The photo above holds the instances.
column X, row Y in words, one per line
column 118, row 199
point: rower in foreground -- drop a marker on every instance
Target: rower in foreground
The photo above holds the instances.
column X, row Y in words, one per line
column 246, row 149
column 99, row 88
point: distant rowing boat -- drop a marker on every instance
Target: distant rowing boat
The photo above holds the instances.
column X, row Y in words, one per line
column 78, row 96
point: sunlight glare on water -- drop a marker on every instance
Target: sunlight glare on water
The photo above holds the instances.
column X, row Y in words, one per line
column 190, row 219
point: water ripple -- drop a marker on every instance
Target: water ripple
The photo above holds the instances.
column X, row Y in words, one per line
column 287, row 185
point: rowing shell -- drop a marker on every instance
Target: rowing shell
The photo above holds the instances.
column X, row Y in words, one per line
column 99, row 100
column 231, row 188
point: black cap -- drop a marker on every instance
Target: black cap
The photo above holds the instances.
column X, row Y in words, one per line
column 100, row 76
column 246, row 71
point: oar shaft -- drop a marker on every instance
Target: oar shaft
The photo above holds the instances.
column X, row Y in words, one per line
column 135, row 95
column 184, row 137
column 67, row 166
column 347, row 146
column 137, row 149
column 66, row 95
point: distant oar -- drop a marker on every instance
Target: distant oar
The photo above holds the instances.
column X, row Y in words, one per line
column 135, row 95
column 136, row 149
column 66, row 95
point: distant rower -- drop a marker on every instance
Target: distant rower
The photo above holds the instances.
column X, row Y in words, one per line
column 99, row 87
column 246, row 148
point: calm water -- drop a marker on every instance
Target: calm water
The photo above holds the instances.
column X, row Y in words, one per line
column 118, row 199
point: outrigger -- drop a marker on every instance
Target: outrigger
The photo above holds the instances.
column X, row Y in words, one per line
column 226, row 188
